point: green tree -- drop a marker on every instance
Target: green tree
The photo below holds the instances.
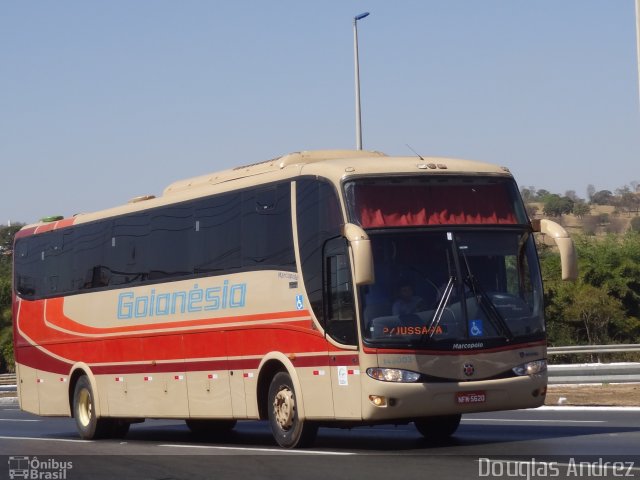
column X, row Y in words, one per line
column 581, row 208
column 528, row 194
column 555, row 205
column 629, row 202
column 613, row 264
column 6, row 345
column 603, row 197
column 542, row 194
column 603, row 305
column 7, row 235
column 532, row 210
column 595, row 312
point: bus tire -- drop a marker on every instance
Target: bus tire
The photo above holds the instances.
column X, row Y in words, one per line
column 84, row 411
column 288, row 429
column 438, row 428
column 202, row 426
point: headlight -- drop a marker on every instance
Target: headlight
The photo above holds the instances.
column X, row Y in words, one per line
column 531, row 368
column 393, row 375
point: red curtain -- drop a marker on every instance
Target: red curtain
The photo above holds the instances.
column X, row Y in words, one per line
column 401, row 205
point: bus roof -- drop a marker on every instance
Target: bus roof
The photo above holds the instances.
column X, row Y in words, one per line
column 332, row 164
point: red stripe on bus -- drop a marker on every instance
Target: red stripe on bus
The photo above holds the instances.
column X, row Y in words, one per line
column 65, row 222
column 243, row 341
column 25, row 232
column 33, row 357
column 56, row 316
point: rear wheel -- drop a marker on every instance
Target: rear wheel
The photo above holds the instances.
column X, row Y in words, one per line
column 84, row 411
column 438, row 428
column 287, row 427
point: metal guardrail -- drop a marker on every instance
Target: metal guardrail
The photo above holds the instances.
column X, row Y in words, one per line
column 594, row 372
column 574, row 349
column 8, row 382
column 8, row 379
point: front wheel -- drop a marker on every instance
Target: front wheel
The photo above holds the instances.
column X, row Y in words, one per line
column 287, row 427
column 438, row 428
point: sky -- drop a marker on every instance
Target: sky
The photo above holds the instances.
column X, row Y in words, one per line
column 104, row 101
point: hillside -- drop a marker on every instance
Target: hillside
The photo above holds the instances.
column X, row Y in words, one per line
column 603, row 219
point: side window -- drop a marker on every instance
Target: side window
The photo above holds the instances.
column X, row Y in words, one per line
column 91, row 242
column 29, row 265
column 266, row 228
column 51, row 256
column 126, row 249
column 319, row 218
column 167, row 250
column 229, row 231
column 339, row 304
column 217, row 225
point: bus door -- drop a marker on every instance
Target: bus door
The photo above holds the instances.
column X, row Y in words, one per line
column 341, row 328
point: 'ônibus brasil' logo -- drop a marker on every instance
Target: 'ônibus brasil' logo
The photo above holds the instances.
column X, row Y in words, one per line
column 194, row 300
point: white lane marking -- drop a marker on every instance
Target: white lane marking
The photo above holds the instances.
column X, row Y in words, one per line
column 516, row 420
column 248, row 449
column 2, row 437
column 584, row 409
column 18, row 420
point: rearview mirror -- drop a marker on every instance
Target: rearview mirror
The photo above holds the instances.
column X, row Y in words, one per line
column 362, row 254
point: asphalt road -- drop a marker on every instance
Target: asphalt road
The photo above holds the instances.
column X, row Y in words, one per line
column 549, row 442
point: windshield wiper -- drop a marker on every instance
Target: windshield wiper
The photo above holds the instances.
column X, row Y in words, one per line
column 494, row 316
column 444, row 300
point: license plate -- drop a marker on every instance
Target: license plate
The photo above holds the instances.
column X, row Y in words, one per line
column 471, row 397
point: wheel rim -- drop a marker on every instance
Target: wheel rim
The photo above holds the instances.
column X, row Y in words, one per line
column 284, row 408
column 85, row 408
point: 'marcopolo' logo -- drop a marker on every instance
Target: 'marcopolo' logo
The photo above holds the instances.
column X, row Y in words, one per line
column 468, row 369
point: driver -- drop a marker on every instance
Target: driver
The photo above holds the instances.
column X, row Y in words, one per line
column 407, row 302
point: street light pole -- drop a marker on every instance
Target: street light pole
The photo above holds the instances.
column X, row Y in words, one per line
column 638, row 41
column 357, row 75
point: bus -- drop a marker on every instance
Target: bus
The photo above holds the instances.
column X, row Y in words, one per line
column 320, row 288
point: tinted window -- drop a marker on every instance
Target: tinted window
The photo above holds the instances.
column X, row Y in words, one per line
column 340, row 311
column 88, row 261
column 29, row 264
column 248, row 229
column 126, row 251
column 217, row 246
column 266, row 228
column 168, row 250
column 319, row 219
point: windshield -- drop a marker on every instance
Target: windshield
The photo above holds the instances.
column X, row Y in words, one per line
column 441, row 288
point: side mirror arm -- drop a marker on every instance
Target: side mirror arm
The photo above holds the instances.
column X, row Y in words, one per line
column 568, row 256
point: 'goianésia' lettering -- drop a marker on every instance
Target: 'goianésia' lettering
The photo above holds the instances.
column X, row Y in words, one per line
column 194, row 300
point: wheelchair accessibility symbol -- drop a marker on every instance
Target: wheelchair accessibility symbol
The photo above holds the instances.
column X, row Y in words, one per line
column 476, row 328
column 299, row 302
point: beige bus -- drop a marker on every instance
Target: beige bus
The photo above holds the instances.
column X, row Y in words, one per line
column 337, row 288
